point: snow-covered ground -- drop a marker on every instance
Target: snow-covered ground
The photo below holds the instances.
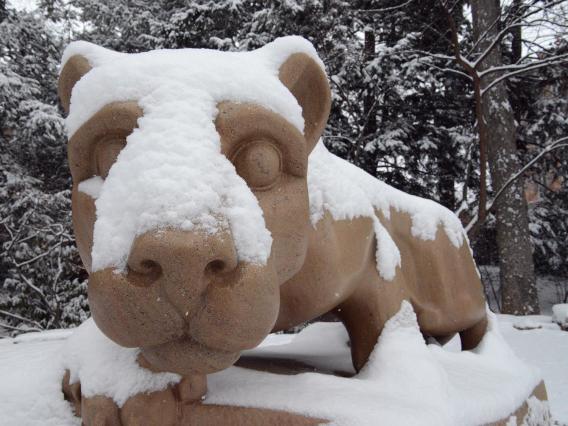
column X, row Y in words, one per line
column 545, row 347
column 440, row 387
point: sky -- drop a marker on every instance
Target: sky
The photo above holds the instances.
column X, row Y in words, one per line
column 22, row 4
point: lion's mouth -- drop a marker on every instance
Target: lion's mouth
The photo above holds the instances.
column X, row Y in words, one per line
column 188, row 356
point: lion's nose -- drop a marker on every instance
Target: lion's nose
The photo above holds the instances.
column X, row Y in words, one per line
column 184, row 261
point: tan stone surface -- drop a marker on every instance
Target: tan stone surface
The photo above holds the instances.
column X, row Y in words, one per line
column 521, row 413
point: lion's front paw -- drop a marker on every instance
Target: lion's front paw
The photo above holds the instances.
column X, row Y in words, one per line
column 99, row 411
column 148, row 409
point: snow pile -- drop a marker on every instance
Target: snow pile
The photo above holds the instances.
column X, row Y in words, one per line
column 44, row 336
column 105, row 368
column 347, row 192
column 406, row 381
column 526, row 323
column 171, row 172
column 30, row 383
column 546, row 347
column 560, row 314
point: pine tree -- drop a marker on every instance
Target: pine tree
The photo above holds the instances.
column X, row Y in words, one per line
column 41, row 282
column 421, row 130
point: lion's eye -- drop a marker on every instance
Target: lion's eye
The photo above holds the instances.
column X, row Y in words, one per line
column 106, row 153
column 259, row 164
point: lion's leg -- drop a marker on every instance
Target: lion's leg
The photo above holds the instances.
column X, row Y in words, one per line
column 72, row 393
column 365, row 312
column 94, row 411
column 471, row 337
column 99, row 411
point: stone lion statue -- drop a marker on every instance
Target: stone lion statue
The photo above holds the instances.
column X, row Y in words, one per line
column 209, row 214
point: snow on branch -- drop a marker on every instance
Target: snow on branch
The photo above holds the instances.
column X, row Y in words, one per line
column 516, row 70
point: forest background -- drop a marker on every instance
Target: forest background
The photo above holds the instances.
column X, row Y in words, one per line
column 462, row 102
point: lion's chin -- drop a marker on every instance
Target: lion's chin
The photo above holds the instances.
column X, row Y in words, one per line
column 186, row 356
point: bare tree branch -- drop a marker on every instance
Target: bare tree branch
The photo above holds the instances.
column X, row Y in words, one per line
column 386, row 9
column 523, row 70
column 555, row 59
column 475, row 222
column 18, row 317
column 9, row 327
column 560, row 143
column 39, row 256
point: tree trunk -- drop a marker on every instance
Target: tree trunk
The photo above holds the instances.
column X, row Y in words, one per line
column 518, row 286
column 446, row 182
column 519, row 105
column 3, row 12
column 517, row 41
column 370, row 124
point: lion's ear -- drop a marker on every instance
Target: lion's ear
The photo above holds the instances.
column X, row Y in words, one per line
column 75, row 68
column 304, row 77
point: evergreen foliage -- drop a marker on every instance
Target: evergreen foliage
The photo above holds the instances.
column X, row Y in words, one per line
column 42, row 280
column 398, row 112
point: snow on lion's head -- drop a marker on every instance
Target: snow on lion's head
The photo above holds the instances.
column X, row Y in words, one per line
column 190, row 201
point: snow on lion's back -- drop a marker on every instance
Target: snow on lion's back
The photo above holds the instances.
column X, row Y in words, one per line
column 347, row 192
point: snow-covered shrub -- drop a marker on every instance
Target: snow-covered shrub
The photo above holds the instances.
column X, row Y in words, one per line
column 560, row 315
column 42, row 284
